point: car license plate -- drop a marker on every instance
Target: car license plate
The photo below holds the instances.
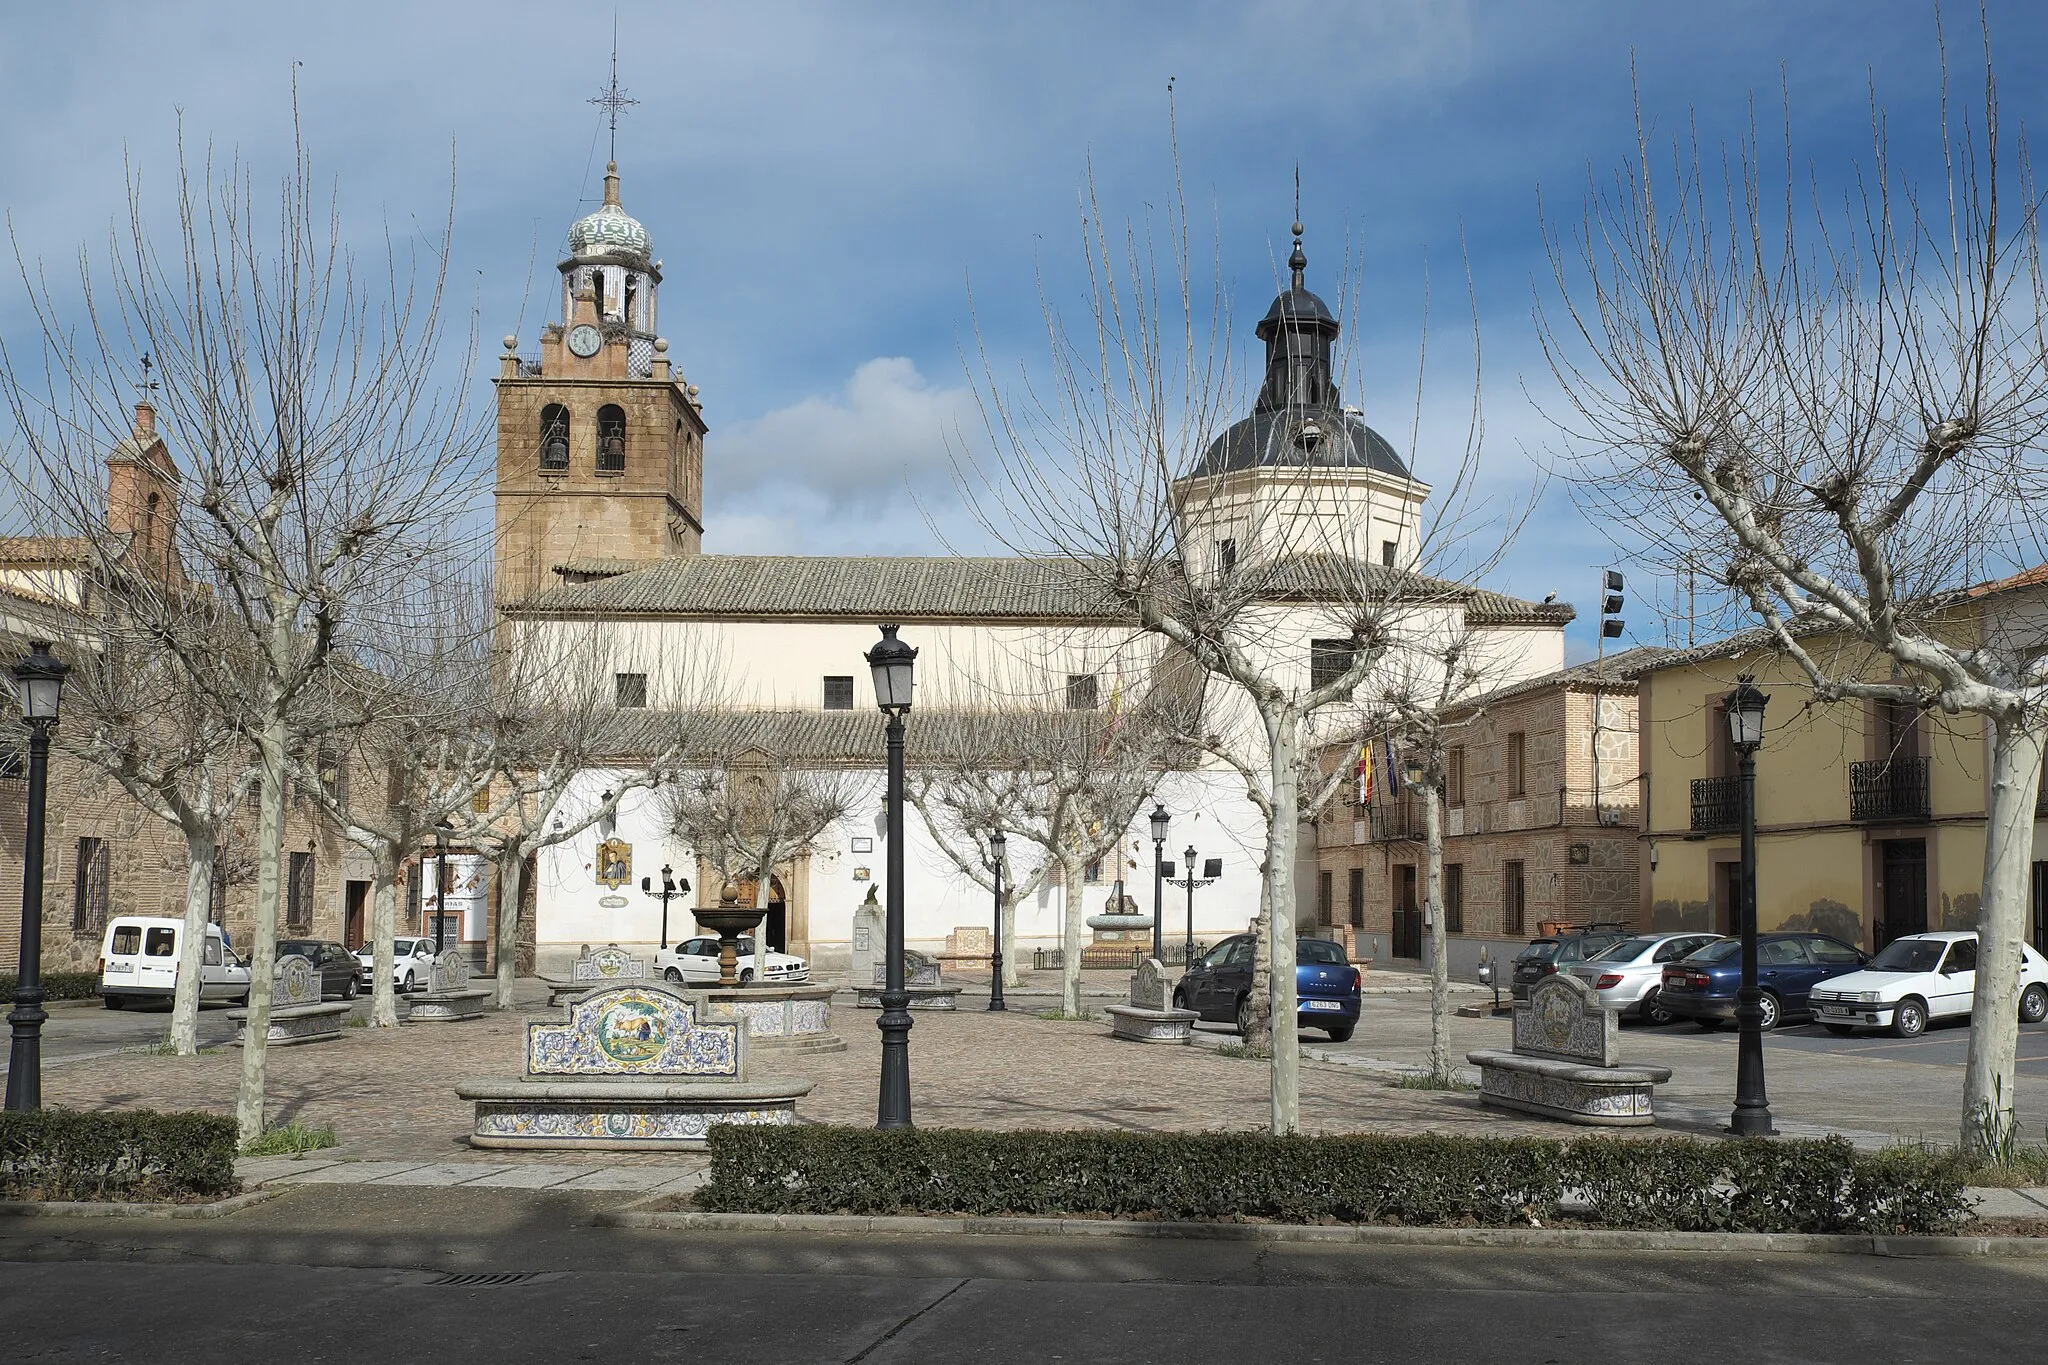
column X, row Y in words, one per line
column 1322, row 1004
column 1835, row 1009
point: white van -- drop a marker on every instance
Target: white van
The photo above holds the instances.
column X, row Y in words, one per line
column 139, row 961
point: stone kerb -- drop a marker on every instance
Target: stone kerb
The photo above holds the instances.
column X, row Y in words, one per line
column 1149, row 1018
column 632, row 1067
column 1566, row 1062
column 449, row 997
column 297, row 1014
column 921, row 981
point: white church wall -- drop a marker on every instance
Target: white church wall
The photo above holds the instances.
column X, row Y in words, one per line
column 1208, row 808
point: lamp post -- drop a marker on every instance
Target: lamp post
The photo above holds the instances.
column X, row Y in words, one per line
column 1752, row 1116
column 1187, row 951
column 891, row 662
column 441, row 833
column 1160, row 820
column 996, row 842
column 669, row 889
column 39, row 683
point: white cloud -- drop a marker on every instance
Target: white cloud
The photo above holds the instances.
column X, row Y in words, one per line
column 885, row 431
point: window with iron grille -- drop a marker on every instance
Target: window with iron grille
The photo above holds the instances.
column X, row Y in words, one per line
column 1355, row 895
column 630, row 689
column 1513, row 900
column 1082, row 694
column 611, row 439
column 414, row 877
column 1328, row 660
column 1454, row 898
column 1325, row 906
column 554, row 437
column 1092, row 873
column 839, row 693
column 298, row 900
column 89, row 889
column 1454, row 776
column 1517, row 759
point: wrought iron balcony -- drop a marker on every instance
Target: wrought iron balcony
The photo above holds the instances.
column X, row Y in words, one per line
column 1888, row 789
column 1398, row 822
column 1716, row 804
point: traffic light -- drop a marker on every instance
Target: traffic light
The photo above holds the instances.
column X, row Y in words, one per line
column 1610, row 607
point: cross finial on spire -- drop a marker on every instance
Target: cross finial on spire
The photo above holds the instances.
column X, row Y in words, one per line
column 1297, row 262
column 611, row 98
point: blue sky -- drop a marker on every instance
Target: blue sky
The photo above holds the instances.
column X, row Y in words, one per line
column 823, row 182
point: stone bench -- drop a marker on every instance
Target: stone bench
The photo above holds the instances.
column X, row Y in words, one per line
column 921, row 997
column 449, row 998
column 297, row 1014
column 1566, row 1061
column 778, row 1018
column 1606, row 1096
column 1150, row 1016
column 593, row 968
column 632, row 1068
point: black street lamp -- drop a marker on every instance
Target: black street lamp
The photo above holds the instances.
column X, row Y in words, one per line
column 441, row 833
column 1160, row 820
column 1187, row 952
column 891, row 662
column 996, row 841
column 1752, row 1116
column 670, row 888
column 39, row 683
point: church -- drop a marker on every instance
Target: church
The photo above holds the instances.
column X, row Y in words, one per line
column 599, row 525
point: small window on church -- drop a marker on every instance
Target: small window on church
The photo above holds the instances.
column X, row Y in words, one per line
column 1388, row 549
column 631, row 689
column 554, row 437
column 839, row 693
column 1081, row 692
column 1226, row 556
column 611, row 439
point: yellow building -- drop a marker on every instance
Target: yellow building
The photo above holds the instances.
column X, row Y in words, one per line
column 1870, row 815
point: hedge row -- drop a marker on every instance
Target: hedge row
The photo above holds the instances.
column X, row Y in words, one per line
column 57, row 986
column 1675, row 1183
column 136, row 1154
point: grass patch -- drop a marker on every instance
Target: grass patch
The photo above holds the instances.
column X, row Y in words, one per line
column 357, row 1021
column 291, row 1139
column 1422, row 1080
column 1242, row 1053
column 2021, row 1165
column 1084, row 1017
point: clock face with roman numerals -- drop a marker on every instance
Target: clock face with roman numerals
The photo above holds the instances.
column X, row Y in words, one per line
column 584, row 340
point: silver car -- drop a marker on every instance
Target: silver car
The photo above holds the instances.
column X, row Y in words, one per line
column 1628, row 974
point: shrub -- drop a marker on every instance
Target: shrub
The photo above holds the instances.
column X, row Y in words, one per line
column 137, row 1154
column 1678, row 1184
column 58, row 985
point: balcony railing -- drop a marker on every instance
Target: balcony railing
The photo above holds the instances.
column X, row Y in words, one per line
column 1716, row 804
column 1402, row 820
column 1888, row 789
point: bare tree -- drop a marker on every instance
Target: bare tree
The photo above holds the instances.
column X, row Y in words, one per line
column 1839, row 402
column 319, row 450
column 745, row 808
column 1260, row 565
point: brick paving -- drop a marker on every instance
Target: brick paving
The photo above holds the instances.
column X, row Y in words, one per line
column 390, row 1094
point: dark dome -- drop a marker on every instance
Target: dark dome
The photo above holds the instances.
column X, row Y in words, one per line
column 1275, row 439
column 1295, row 305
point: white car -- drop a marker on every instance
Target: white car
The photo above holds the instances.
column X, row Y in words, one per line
column 412, row 963
column 140, row 956
column 1920, row 978
column 694, row 962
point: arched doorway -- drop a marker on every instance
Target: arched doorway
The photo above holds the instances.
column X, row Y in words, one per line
column 775, row 926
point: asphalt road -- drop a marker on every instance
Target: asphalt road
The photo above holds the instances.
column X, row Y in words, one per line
column 346, row 1273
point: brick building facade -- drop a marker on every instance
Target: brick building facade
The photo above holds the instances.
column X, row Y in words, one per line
column 1541, row 823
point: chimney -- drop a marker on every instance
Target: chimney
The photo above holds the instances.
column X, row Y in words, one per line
column 145, row 422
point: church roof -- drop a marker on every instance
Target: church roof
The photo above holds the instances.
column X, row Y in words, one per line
column 813, row 587
column 1271, row 439
column 611, row 231
column 832, row 737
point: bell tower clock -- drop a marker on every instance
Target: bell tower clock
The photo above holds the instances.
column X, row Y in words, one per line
column 600, row 443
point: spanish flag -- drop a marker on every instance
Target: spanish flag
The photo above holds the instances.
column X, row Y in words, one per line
column 1363, row 795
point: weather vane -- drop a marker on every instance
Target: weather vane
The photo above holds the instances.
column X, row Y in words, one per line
column 148, row 383
column 611, row 98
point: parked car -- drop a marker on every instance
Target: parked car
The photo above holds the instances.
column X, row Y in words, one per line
column 1554, row 952
column 1919, row 978
column 695, row 962
column 1628, row 974
column 1788, row 966
column 1326, row 985
column 140, row 956
column 412, row 963
column 336, row 965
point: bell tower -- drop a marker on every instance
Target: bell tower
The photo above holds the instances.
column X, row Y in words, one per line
column 600, row 441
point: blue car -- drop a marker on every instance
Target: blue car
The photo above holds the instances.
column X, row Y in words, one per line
column 1326, row 984
column 1788, row 966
